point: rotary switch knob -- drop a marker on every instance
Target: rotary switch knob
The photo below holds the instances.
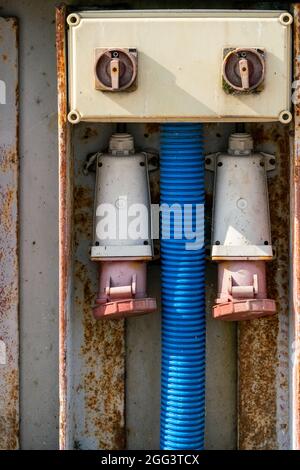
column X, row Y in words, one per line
column 115, row 69
column 244, row 69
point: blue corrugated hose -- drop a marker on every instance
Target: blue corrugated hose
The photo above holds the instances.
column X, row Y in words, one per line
column 183, row 293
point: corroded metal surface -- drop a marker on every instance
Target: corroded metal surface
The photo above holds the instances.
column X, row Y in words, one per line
column 295, row 243
column 92, row 354
column 263, row 344
column 98, row 351
column 9, row 330
column 65, row 228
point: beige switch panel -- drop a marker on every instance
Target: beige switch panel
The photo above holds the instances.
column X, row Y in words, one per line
column 180, row 58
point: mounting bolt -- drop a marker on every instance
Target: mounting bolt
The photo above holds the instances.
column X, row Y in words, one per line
column 74, row 116
column 286, row 19
column 285, row 117
column 73, row 19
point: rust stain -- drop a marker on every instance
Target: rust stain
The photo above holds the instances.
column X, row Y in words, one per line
column 154, row 187
column 83, row 222
column 8, row 158
column 257, row 392
column 295, row 230
column 263, row 343
column 83, row 198
column 8, row 202
column 103, row 347
column 9, row 421
column 88, row 133
column 103, row 341
column 9, row 273
column 9, row 296
column 152, row 128
column 102, row 351
column 65, row 222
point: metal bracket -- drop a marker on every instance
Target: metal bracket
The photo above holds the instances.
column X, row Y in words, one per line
column 151, row 155
column 89, row 162
column 270, row 161
column 210, row 161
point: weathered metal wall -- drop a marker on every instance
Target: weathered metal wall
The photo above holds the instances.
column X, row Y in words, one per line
column 295, row 247
column 9, row 266
column 95, row 369
column 93, row 362
column 263, row 344
column 39, row 285
column 38, row 222
column 65, row 215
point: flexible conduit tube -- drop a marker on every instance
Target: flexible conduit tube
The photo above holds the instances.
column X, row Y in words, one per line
column 183, row 294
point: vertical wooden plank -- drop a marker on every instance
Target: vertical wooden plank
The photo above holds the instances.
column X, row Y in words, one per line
column 9, row 270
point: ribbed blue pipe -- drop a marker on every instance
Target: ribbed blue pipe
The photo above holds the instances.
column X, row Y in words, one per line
column 183, row 294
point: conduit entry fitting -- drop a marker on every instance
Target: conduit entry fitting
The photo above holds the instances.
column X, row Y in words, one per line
column 183, row 292
column 122, row 189
column 241, row 233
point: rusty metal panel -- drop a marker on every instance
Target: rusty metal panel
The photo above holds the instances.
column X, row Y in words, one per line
column 65, row 228
column 295, row 245
column 92, row 354
column 9, row 329
column 98, row 347
column 263, row 344
column 221, row 347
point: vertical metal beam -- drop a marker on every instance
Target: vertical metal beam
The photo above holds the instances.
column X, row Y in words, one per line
column 9, row 295
column 65, row 225
column 263, row 344
column 295, row 246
